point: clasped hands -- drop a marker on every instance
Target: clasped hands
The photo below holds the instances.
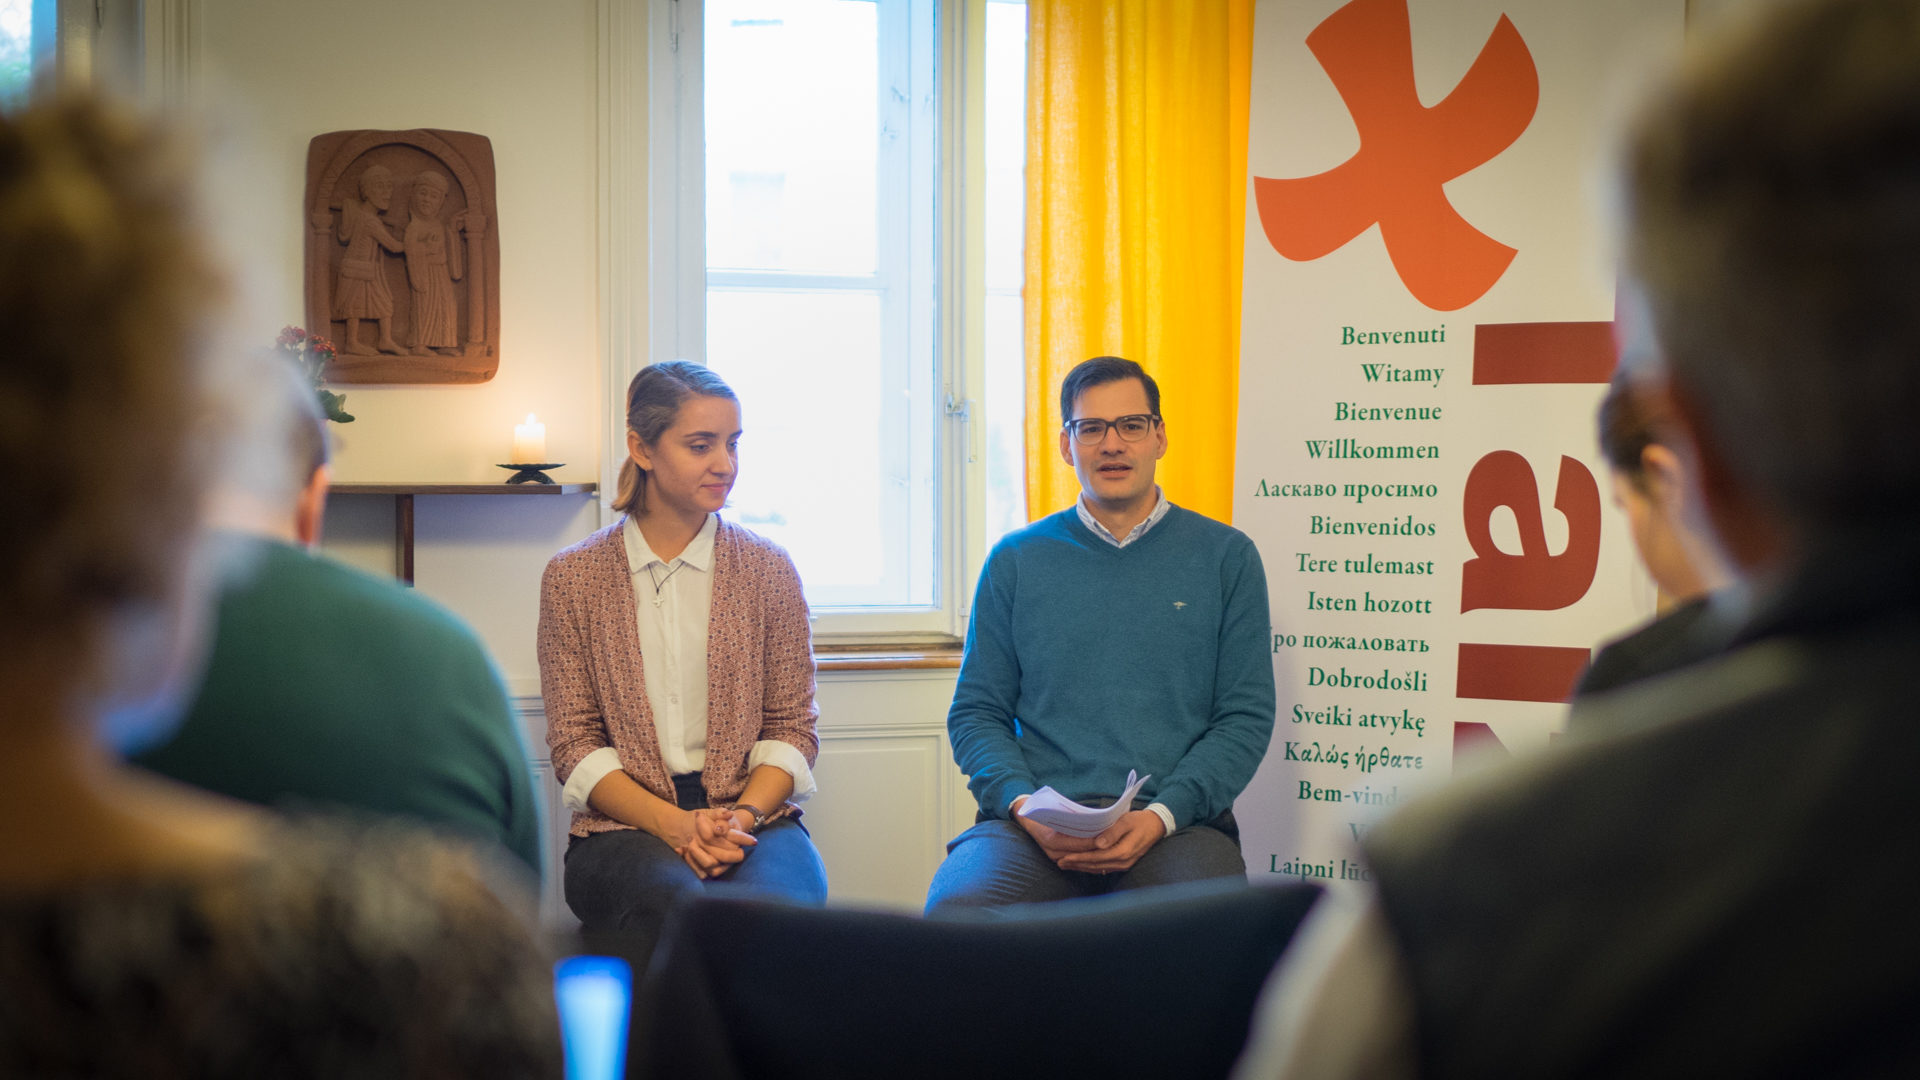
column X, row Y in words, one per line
column 1114, row 850
column 711, row 841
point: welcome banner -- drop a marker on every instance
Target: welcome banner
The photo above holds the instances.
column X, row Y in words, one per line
column 1426, row 332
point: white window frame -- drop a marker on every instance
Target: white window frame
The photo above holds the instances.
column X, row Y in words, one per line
column 88, row 43
column 659, row 207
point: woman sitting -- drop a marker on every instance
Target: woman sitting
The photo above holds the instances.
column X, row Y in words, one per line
column 678, row 673
column 147, row 929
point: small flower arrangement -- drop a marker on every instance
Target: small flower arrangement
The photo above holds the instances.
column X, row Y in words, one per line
column 312, row 352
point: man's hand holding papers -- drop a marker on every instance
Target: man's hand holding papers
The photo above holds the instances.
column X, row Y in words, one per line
column 1094, row 840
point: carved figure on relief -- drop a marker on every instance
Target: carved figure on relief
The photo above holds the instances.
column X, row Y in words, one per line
column 362, row 292
column 433, row 264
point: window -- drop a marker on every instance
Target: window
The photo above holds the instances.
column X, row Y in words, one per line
column 811, row 246
column 820, row 120
column 80, row 42
column 26, row 29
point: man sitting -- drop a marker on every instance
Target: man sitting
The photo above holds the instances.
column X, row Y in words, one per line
column 1121, row 634
column 329, row 688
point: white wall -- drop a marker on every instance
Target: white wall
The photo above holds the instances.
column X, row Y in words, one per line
column 890, row 796
column 524, row 75
column 521, row 74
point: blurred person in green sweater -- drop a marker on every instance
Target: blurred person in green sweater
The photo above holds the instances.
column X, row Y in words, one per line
column 328, row 689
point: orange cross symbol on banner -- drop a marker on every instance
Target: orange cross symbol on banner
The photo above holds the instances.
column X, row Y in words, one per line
column 1407, row 151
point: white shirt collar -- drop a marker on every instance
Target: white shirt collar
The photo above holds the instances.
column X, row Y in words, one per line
column 1160, row 508
column 699, row 552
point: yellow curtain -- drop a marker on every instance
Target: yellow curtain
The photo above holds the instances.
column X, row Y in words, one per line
column 1136, row 199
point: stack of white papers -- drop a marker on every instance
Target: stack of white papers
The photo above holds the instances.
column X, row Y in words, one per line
column 1063, row 815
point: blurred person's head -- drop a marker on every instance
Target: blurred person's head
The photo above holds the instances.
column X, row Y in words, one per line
column 1650, row 487
column 280, row 490
column 1772, row 205
column 107, row 291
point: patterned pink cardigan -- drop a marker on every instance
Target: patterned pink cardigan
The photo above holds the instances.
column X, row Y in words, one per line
column 759, row 664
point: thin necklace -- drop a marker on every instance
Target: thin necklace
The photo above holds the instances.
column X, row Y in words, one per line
column 659, row 581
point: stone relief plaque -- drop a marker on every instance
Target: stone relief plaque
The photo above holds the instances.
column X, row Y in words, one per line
column 403, row 257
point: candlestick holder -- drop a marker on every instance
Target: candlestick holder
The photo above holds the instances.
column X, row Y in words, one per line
column 530, row 472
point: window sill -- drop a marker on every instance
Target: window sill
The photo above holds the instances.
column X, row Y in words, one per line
column 931, row 656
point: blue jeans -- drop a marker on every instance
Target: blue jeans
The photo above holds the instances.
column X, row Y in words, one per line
column 996, row 863
column 628, row 880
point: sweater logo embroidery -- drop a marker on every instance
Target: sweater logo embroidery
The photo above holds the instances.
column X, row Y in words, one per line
column 1178, row 604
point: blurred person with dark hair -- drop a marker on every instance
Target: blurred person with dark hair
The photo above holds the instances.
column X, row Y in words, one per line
column 148, row 929
column 1673, row 544
column 1713, row 878
column 331, row 689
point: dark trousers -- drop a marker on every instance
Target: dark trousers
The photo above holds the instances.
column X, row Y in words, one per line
column 627, row 880
column 996, row 863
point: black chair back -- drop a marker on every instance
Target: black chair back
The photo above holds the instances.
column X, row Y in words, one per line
column 1154, row 984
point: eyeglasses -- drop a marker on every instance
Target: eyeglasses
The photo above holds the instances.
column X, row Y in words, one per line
column 1093, row 431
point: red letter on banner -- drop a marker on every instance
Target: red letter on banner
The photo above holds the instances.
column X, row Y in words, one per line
column 1533, row 579
column 1518, row 672
column 1408, row 152
column 1510, row 354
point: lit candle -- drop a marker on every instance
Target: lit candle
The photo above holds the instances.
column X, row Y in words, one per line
column 529, row 442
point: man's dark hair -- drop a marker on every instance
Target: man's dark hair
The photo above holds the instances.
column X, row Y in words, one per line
column 1629, row 422
column 1772, row 203
column 1098, row 372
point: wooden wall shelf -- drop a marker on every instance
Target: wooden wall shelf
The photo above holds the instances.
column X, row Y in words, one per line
column 403, row 494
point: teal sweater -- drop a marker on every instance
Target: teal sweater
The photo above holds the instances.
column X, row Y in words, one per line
column 1085, row 660
column 327, row 688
